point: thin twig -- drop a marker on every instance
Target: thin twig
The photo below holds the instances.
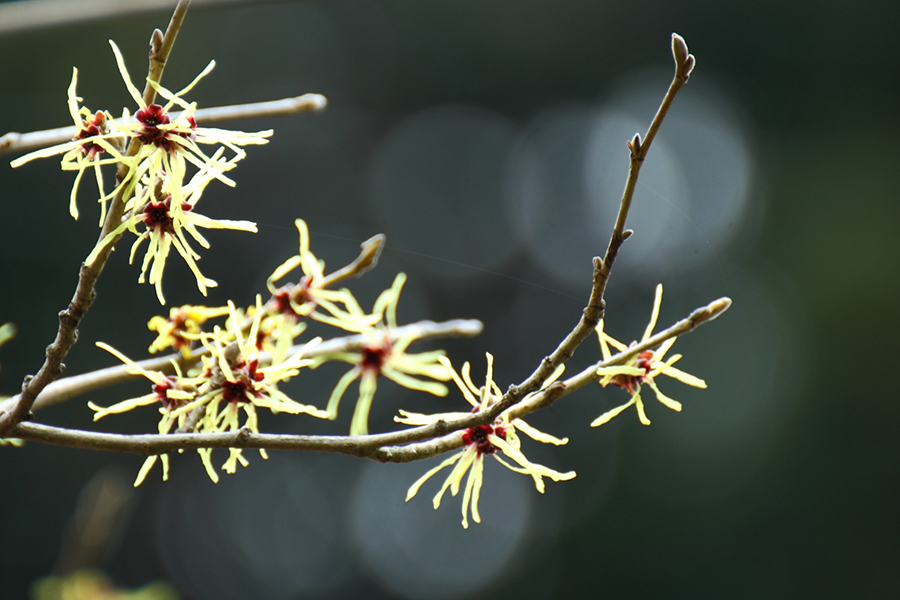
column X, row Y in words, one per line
column 70, row 318
column 399, row 446
column 592, row 314
column 548, row 396
column 307, row 103
column 68, row 388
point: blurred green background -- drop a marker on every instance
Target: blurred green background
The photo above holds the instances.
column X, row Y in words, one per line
column 487, row 141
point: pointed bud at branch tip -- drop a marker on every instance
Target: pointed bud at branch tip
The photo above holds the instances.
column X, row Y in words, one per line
column 156, row 40
column 627, row 234
column 710, row 311
column 365, row 262
column 684, row 62
column 314, row 102
column 679, row 49
column 718, row 307
column 371, row 252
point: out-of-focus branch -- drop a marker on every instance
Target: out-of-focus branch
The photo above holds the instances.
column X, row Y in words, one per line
column 307, row 103
column 70, row 318
column 17, row 17
column 401, row 446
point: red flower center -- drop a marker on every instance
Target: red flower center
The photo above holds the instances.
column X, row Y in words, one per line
column 289, row 295
column 90, row 128
column 245, row 376
column 152, row 118
column 479, row 436
column 156, row 216
column 161, row 390
column 179, row 328
column 632, row 382
column 375, row 355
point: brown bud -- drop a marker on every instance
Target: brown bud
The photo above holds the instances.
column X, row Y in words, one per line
column 679, row 50
column 635, row 145
column 688, row 66
column 156, row 40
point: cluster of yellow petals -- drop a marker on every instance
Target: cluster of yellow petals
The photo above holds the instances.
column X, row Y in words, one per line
column 640, row 369
column 500, row 437
column 160, row 197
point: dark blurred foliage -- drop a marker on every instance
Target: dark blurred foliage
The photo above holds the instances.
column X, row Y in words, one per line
column 464, row 130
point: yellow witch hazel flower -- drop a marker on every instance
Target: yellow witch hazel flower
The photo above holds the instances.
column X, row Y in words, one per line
column 640, row 369
column 165, row 222
column 169, row 142
column 237, row 382
column 170, row 392
column 482, row 441
column 303, row 298
column 382, row 355
column 292, row 302
column 93, row 139
column 182, row 328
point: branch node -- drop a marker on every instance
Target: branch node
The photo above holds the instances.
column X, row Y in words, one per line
column 243, row 436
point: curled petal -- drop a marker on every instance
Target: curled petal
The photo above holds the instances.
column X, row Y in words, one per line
column 663, row 399
column 414, row 488
column 654, row 315
column 608, row 415
column 640, row 408
column 538, row 436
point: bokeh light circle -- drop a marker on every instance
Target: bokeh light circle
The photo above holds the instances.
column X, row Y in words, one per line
column 417, row 552
column 434, row 187
column 268, row 532
column 567, row 173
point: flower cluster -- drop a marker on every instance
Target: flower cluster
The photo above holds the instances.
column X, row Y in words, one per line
column 230, row 381
column 153, row 150
column 483, row 440
column 641, row 369
column 243, row 361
